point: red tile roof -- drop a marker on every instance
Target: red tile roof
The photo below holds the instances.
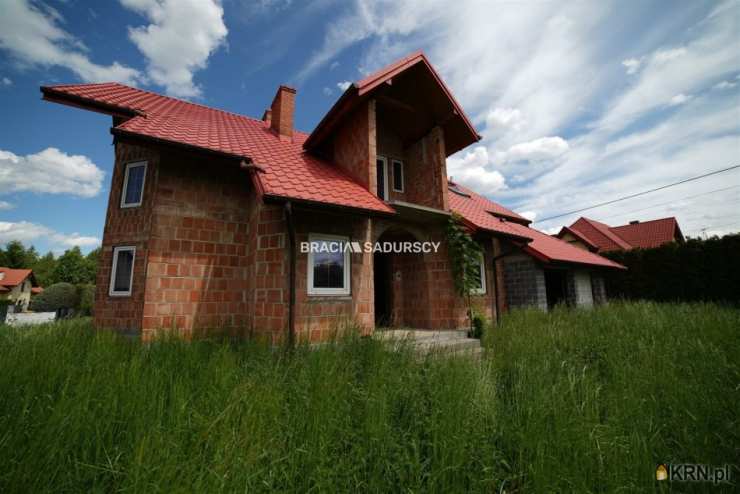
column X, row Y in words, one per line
column 289, row 172
column 487, row 215
column 649, row 234
column 359, row 91
column 12, row 277
column 643, row 235
column 599, row 234
column 566, row 229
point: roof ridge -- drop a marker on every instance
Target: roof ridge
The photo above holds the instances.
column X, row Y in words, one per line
column 605, row 230
column 673, row 218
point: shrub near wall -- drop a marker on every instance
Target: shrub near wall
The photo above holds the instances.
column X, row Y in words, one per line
column 697, row 270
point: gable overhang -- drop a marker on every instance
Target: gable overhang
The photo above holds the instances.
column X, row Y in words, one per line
column 412, row 97
column 55, row 96
column 591, row 246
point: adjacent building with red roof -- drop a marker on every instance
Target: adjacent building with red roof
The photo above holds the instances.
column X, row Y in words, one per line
column 16, row 286
column 598, row 237
column 218, row 221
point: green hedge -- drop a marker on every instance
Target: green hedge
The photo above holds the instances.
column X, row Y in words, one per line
column 697, row 270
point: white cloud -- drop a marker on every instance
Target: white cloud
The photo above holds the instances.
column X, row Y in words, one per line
column 344, row 85
column 632, row 65
column 28, row 232
column 679, row 99
column 334, row 65
column 544, row 148
column 32, row 35
column 5, row 81
column 475, row 170
column 6, row 206
column 530, row 215
column 327, row 91
column 50, row 171
column 724, row 85
column 505, row 118
column 558, row 65
column 181, row 37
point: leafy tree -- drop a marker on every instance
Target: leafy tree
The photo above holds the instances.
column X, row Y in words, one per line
column 15, row 255
column 43, row 269
column 91, row 262
column 85, row 296
column 31, row 257
column 55, row 297
column 71, row 267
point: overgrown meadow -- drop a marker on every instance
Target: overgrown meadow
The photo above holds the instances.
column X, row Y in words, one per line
column 571, row 401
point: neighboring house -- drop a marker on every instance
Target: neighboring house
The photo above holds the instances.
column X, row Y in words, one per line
column 208, row 211
column 17, row 285
column 594, row 236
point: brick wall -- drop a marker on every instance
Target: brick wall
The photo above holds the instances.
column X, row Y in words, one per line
column 525, row 282
column 578, row 288
column 354, row 145
column 126, row 227
column 426, row 171
column 197, row 276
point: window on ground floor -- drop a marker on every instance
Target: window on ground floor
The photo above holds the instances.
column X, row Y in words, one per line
column 328, row 265
column 480, row 277
column 122, row 271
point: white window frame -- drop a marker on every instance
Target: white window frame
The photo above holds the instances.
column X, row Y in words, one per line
column 482, row 267
column 321, row 291
column 111, row 287
column 393, row 173
column 128, row 166
column 386, row 189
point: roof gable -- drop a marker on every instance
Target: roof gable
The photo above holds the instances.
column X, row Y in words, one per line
column 599, row 234
column 412, row 85
column 10, row 277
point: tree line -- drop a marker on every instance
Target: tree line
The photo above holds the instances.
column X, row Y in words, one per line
column 71, row 267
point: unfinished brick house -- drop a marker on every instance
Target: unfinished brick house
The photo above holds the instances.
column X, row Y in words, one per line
column 207, row 211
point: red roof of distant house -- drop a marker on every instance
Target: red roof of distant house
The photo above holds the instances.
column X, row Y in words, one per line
column 289, row 172
column 644, row 235
column 650, row 234
column 599, row 235
column 10, row 277
column 488, row 215
column 566, row 229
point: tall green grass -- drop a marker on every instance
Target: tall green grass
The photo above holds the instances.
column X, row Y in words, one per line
column 572, row 401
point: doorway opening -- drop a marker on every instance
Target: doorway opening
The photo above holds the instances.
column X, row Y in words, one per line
column 555, row 287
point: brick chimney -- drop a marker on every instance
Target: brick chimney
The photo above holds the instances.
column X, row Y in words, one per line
column 281, row 112
column 634, row 222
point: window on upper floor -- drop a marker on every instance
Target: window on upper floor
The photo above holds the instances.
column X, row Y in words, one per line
column 133, row 184
column 480, row 278
column 328, row 265
column 382, row 177
column 398, row 176
column 122, row 271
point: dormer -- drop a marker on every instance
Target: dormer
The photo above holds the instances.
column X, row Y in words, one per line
column 393, row 131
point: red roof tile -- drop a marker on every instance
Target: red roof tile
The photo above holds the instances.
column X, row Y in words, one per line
column 644, row 235
column 289, row 171
column 599, row 234
column 12, row 277
column 649, row 234
column 480, row 212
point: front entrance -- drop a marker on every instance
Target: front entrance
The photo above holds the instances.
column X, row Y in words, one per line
column 400, row 284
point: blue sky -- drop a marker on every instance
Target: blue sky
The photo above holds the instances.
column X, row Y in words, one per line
column 578, row 102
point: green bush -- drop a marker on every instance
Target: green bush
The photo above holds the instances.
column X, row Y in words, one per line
column 695, row 271
column 57, row 296
column 85, row 296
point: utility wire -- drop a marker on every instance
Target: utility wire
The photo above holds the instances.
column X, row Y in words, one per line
column 639, row 194
column 685, row 198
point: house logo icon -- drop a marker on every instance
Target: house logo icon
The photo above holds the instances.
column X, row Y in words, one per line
column 661, row 473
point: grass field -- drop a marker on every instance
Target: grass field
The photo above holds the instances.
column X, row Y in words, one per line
column 571, row 401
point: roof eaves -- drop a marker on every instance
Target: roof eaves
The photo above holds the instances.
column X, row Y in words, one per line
column 55, row 96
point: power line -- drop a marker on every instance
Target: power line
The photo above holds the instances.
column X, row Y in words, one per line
column 685, row 198
column 638, row 194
